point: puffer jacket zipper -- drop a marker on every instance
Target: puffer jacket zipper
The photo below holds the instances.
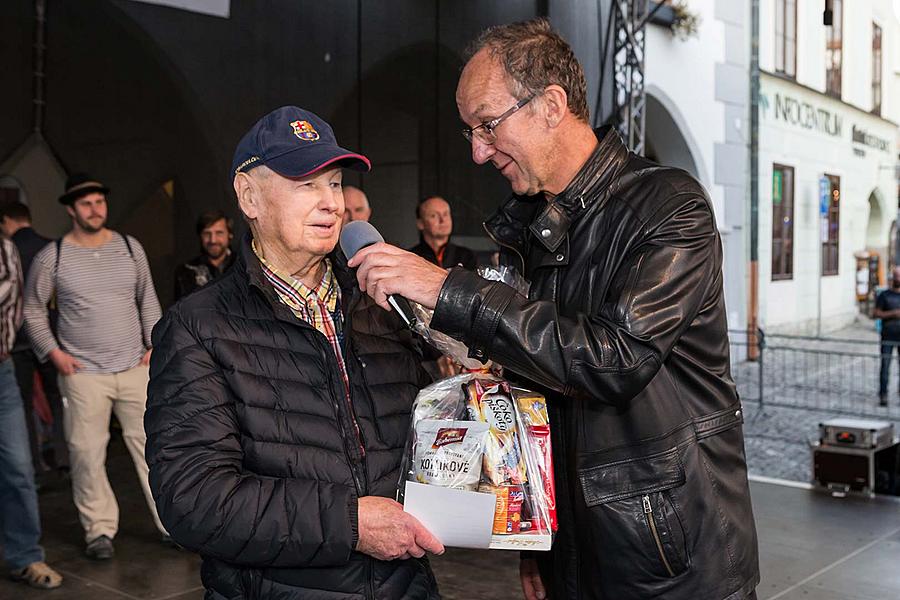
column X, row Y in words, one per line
column 351, row 356
column 358, row 480
column 651, row 522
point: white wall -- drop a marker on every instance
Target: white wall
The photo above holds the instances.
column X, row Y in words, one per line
column 856, row 74
column 685, row 71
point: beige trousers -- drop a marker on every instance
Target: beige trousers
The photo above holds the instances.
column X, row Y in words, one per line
column 89, row 400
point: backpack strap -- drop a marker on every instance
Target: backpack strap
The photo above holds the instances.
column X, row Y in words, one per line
column 136, row 303
column 127, row 244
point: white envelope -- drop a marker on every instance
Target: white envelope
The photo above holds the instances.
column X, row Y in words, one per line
column 458, row 518
column 463, row 519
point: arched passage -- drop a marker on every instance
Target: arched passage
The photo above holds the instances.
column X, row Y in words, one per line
column 877, row 238
column 668, row 138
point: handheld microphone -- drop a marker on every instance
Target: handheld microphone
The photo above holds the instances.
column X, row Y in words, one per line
column 357, row 235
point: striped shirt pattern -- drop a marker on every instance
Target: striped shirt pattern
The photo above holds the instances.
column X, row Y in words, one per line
column 319, row 306
column 106, row 300
column 10, row 296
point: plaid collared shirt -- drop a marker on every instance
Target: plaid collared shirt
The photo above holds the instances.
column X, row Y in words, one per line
column 10, row 296
column 319, row 306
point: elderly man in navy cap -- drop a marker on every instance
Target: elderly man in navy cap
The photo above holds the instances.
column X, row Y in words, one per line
column 280, row 397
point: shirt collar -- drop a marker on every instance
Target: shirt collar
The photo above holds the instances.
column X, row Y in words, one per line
column 325, row 292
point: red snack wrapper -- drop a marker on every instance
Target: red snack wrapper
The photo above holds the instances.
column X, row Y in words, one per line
column 541, row 435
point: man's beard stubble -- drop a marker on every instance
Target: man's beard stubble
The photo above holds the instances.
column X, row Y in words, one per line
column 208, row 251
column 88, row 227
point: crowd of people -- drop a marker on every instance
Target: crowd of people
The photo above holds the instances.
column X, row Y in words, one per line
column 267, row 411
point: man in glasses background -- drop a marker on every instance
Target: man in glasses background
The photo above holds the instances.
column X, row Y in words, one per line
column 624, row 330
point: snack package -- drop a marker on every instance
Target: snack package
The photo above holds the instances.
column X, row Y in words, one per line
column 449, row 453
column 476, row 432
column 534, row 417
column 492, row 402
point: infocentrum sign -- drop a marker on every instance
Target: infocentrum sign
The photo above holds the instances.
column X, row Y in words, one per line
column 804, row 114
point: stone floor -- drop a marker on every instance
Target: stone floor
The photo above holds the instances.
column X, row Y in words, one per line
column 807, row 382
column 812, row 547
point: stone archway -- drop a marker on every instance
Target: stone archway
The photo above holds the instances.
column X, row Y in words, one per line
column 877, row 243
column 668, row 138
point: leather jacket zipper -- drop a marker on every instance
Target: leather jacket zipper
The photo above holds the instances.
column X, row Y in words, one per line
column 648, row 513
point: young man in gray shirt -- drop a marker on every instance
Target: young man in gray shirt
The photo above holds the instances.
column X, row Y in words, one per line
column 107, row 309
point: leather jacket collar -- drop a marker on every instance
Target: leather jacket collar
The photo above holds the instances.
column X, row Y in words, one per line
column 549, row 222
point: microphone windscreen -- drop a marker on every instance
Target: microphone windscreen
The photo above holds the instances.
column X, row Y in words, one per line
column 356, row 235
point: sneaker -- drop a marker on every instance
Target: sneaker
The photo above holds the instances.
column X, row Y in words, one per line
column 100, row 548
column 882, row 399
column 38, row 575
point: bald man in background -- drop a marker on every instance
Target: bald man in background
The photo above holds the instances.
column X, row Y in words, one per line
column 435, row 224
column 356, row 205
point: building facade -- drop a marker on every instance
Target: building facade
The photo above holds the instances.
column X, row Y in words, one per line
column 698, row 95
column 827, row 162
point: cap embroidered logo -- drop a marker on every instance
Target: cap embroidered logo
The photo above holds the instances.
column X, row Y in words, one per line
column 305, row 131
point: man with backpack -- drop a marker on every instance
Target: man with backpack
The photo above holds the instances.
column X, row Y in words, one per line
column 100, row 282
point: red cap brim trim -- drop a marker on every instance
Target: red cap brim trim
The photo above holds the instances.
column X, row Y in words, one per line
column 331, row 161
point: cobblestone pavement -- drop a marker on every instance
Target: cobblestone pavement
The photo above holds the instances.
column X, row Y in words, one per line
column 807, row 381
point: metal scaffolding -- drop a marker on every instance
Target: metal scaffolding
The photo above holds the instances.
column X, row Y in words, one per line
column 629, row 19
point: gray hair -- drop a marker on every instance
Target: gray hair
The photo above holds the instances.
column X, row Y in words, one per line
column 534, row 56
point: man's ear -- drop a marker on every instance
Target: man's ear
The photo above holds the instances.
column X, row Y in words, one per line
column 71, row 210
column 556, row 104
column 248, row 194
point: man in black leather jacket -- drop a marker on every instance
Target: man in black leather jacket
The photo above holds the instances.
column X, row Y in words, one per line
column 624, row 329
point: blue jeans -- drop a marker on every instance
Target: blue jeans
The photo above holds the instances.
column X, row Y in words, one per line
column 21, row 523
column 887, row 350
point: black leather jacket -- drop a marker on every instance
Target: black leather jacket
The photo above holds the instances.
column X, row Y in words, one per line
column 625, row 330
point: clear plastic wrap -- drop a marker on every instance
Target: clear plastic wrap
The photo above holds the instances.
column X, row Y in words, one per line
column 447, row 345
column 512, row 427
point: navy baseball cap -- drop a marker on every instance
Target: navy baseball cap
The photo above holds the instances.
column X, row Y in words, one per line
column 294, row 143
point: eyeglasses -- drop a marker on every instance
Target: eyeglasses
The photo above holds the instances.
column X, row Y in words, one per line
column 485, row 131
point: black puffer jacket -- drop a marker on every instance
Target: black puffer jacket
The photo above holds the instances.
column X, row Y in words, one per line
column 625, row 330
column 253, row 458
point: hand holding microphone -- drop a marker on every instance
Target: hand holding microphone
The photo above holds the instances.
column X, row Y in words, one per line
column 388, row 274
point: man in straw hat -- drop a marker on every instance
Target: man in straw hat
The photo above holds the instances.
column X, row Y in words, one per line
column 107, row 307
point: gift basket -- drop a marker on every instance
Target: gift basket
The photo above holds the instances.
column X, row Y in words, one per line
column 477, row 433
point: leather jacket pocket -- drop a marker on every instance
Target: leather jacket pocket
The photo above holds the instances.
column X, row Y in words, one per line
column 634, row 516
